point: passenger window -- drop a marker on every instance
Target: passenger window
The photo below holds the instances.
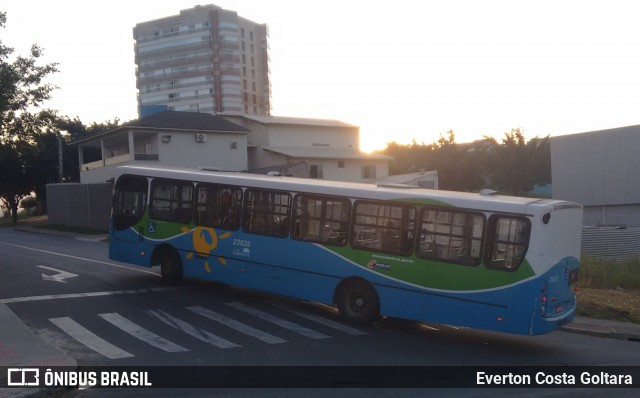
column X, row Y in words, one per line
column 321, row 219
column 171, row 201
column 129, row 201
column 218, row 206
column 267, row 212
column 509, row 238
column 383, row 227
column 451, row 236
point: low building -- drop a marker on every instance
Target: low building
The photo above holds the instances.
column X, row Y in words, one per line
column 312, row 148
column 330, row 148
column 180, row 139
column 422, row 179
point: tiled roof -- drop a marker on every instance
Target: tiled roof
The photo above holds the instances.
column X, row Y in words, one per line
column 173, row 120
column 285, row 120
column 187, row 121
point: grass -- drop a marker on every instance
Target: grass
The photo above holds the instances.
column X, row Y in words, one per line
column 610, row 290
column 64, row 228
column 40, row 222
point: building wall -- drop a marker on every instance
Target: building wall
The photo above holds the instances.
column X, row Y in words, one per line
column 352, row 170
column 313, row 136
column 184, row 151
column 599, row 170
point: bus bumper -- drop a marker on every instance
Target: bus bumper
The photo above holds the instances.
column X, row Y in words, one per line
column 541, row 325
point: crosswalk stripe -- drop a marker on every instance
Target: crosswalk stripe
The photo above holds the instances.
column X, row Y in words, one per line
column 89, row 339
column 239, row 326
column 201, row 335
column 294, row 327
column 321, row 320
column 141, row 333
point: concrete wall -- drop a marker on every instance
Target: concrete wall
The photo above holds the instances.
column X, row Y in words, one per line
column 80, row 205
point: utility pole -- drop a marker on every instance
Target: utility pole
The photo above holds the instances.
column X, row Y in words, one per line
column 60, row 170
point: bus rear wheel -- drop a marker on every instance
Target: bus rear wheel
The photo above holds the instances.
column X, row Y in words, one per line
column 171, row 268
column 358, row 302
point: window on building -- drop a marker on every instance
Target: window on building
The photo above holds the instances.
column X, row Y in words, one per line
column 315, row 171
column 267, row 212
column 368, row 172
column 218, row 206
column 171, row 200
column 321, row 219
column 383, row 227
column 452, row 236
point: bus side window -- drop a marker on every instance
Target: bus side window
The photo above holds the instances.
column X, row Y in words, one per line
column 129, row 201
column 321, row 219
column 267, row 212
column 452, row 236
column 171, row 200
column 508, row 242
column 383, row 226
column 218, row 206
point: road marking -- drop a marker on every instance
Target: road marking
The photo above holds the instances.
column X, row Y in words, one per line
column 239, row 326
column 201, row 335
column 141, row 333
column 82, row 258
column 86, row 337
column 294, row 327
column 321, row 320
column 89, row 294
column 59, row 277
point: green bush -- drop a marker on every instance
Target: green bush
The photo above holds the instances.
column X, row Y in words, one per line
column 608, row 274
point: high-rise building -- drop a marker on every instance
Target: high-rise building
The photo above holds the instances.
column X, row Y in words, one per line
column 206, row 59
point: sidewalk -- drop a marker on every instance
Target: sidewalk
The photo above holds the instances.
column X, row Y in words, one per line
column 20, row 347
column 604, row 328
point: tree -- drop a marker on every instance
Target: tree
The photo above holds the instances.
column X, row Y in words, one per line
column 520, row 165
column 15, row 181
column 22, row 91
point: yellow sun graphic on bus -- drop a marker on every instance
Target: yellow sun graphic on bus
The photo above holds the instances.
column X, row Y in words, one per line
column 205, row 240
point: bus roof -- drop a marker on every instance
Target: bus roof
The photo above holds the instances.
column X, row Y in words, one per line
column 468, row 200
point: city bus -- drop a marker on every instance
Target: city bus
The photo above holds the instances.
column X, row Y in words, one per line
column 484, row 261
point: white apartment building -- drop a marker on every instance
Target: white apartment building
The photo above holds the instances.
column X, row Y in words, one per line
column 206, row 59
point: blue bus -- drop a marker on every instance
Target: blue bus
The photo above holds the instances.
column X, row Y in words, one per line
column 492, row 262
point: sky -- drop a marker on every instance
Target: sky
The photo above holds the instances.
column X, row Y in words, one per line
column 403, row 70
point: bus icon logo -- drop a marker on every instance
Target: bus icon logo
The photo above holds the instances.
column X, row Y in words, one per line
column 23, row 377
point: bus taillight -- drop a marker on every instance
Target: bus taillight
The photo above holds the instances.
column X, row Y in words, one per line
column 573, row 280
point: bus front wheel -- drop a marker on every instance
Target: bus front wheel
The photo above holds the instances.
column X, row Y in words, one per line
column 171, row 268
column 358, row 302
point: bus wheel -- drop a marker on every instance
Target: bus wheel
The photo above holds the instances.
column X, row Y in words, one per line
column 358, row 302
column 171, row 268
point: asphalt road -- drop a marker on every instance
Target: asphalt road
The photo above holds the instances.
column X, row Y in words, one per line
column 104, row 313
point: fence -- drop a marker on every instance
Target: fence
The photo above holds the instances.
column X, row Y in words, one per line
column 616, row 244
column 80, row 205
